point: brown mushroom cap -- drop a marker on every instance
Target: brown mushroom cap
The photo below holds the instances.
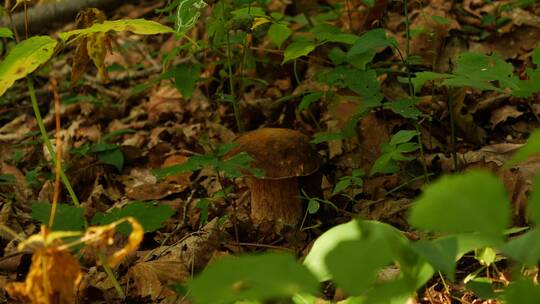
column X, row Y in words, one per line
column 280, row 153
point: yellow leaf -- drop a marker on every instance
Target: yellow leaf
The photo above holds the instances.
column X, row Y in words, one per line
column 258, row 22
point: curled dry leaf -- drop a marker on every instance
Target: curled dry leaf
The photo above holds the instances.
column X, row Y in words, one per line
column 103, row 236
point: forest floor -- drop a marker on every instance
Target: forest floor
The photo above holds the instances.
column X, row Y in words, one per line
column 144, row 121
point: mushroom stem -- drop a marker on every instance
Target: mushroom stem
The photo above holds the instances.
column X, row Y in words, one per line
column 275, row 200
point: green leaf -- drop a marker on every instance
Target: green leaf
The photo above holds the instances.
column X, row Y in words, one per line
column 328, row 33
column 187, row 14
column 440, row 253
column 353, row 230
column 255, row 277
column 402, row 136
column 525, row 248
column 136, row 26
column 421, row 78
column 365, row 47
column 308, row 99
column 475, row 201
column 366, row 85
column 532, row 147
column 67, row 217
column 278, row 33
column 185, row 78
column 405, row 107
column 482, row 288
column 370, row 3
column 149, row 214
column 341, row 185
column 6, row 33
column 440, row 20
column 523, row 291
column 354, row 264
column 24, row 58
column 7, row 179
column 113, row 157
column 297, row 49
column 313, row 206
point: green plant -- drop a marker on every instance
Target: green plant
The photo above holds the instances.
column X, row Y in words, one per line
column 393, row 152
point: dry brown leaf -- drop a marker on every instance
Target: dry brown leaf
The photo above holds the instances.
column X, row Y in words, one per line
column 501, row 114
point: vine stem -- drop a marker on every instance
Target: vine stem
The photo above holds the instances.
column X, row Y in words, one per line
column 47, row 141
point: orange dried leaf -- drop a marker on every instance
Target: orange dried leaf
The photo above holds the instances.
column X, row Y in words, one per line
column 54, row 277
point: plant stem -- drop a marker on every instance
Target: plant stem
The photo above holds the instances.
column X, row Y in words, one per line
column 411, row 88
column 234, row 102
column 111, row 276
column 47, row 141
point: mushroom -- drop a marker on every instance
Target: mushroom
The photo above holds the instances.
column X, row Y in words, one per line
column 283, row 155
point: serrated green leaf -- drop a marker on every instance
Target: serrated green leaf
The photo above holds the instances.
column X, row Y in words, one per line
column 149, row 214
column 24, row 58
column 136, row 26
column 297, row 49
column 475, row 201
column 67, row 217
column 255, row 277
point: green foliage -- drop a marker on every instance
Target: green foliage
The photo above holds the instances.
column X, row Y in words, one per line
column 257, row 277
column 231, row 167
column 5, row 33
column 392, row 152
column 471, row 202
column 347, row 181
column 106, row 152
column 7, row 179
column 532, row 147
column 24, row 58
column 67, row 217
column 483, row 72
column 150, row 215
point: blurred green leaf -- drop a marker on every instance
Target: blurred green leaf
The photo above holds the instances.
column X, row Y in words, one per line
column 67, row 217
column 475, row 201
column 255, row 277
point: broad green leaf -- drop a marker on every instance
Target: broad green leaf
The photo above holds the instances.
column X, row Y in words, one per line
column 24, row 58
column 278, row 33
column 482, row 288
column 475, row 201
column 525, row 248
column 185, row 78
column 255, row 277
column 248, row 12
column 371, row 41
column 354, row 264
column 402, row 136
column 328, row 33
column 353, row 230
column 440, row 20
column 366, row 85
column 136, row 26
column 187, row 14
column 440, row 253
column 5, row 33
column 532, row 147
column 67, row 217
column 393, row 292
column 149, row 214
column 297, row 49
column 523, row 291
